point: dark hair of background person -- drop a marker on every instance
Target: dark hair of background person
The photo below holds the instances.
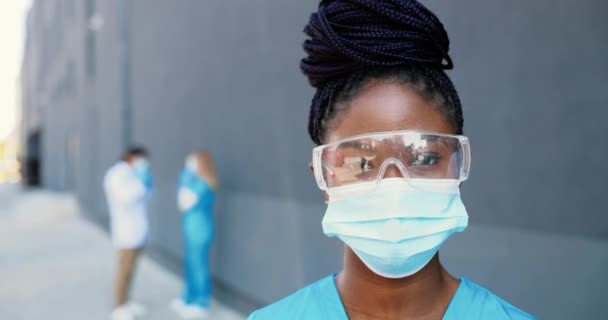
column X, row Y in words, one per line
column 134, row 151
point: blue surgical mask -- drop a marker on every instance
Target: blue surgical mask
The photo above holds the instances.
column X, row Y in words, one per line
column 395, row 227
column 141, row 166
column 142, row 171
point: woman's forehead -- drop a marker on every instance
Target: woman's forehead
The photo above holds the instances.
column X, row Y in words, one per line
column 387, row 106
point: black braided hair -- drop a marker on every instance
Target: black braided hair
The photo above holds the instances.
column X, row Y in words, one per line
column 352, row 42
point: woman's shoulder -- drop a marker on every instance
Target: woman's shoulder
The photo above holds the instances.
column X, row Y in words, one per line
column 311, row 302
column 481, row 303
column 118, row 173
column 190, row 180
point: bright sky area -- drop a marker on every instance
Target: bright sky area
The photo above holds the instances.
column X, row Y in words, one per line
column 12, row 39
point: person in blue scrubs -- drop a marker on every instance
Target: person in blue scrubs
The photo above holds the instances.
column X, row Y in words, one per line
column 196, row 195
column 390, row 159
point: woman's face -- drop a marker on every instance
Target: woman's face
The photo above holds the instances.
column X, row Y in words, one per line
column 387, row 106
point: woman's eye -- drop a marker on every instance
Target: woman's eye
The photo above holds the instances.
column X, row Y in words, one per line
column 365, row 165
column 426, row 159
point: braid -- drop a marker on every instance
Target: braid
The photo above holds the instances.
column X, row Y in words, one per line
column 350, row 38
column 446, row 89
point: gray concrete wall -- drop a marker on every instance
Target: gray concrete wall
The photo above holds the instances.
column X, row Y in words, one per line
column 223, row 76
column 532, row 75
column 237, row 80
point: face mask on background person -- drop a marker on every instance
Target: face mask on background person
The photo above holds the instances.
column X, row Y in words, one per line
column 192, row 165
column 141, row 167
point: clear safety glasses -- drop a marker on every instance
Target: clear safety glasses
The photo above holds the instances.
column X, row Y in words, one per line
column 417, row 155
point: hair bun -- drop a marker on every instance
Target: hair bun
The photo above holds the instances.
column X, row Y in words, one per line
column 349, row 35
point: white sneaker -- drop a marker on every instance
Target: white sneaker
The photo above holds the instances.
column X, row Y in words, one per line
column 137, row 309
column 188, row 311
column 195, row 312
column 177, row 305
column 122, row 313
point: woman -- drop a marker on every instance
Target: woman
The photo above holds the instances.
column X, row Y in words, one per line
column 197, row 186
column 390, row 159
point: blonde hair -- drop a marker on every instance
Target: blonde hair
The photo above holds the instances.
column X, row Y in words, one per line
column 205, row 167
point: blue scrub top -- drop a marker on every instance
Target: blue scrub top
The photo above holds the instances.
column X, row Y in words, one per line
column 321, row 300
column 198, row 185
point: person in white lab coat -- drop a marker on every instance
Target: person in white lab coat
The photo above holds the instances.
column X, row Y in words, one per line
column 127, row 185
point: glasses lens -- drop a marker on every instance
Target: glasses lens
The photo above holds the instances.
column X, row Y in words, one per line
column 422, row 156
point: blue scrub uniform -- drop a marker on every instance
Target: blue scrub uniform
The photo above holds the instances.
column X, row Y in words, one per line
column 198, row 235
column 321, row 300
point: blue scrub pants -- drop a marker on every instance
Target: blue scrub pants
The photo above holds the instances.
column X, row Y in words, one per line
column 198, row 234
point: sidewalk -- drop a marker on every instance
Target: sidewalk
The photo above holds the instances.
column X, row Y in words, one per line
column 54, row 265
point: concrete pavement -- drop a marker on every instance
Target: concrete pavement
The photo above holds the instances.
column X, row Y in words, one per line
column 55, row 265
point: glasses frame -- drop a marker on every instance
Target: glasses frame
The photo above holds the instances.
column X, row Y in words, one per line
column 317, row 152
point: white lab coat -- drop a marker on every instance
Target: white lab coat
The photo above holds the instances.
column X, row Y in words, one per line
column 127, row 199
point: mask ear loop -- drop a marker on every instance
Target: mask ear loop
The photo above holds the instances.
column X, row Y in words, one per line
column 392, row 161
